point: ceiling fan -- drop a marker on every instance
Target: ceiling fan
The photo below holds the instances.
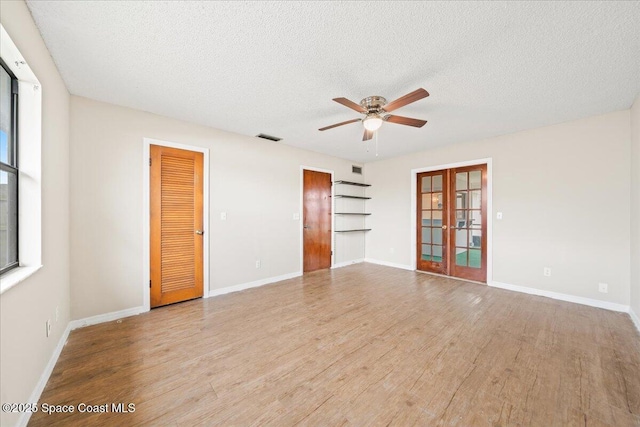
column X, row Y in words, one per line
column 376, row 110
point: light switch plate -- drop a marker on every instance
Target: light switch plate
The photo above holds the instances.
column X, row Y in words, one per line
column 223, row 216
column 499, row 215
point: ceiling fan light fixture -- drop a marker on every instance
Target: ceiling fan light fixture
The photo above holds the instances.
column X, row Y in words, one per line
column 372, row 123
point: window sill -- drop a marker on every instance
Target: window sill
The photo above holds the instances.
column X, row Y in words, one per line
column 15, row 276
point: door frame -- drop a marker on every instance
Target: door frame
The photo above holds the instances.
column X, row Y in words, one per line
column 414, row 206
column 146, row 215
column 301, row 212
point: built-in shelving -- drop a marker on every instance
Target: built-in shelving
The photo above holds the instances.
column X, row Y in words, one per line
column 346, row 196
column 357, row 184
column 353, row 225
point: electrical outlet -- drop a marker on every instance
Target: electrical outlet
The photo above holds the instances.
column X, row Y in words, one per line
column 499, row 215
column 258, row 264
column 296, row 216
column 603, row 287
column 223, row 216
column 547, row 271
column 48, row 326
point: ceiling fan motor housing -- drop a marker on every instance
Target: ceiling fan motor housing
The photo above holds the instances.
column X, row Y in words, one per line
column 374, row 105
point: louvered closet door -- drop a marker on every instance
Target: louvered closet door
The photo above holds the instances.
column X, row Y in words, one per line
column 176, row 225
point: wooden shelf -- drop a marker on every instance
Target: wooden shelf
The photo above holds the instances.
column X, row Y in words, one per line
column 352, row 197
column 352, row 213
column 357, row 184
column 350, row 231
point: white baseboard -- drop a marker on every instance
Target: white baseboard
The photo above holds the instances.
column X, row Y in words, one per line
column 347, row 263
column 257, row 283
column 562, row 297
column 107, row 317
column 44, row 377
column 635, row 319
column 389, row 264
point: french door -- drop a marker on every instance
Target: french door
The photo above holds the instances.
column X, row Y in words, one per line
column 451, row 222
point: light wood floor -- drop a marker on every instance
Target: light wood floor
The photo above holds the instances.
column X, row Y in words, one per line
column 361, row 345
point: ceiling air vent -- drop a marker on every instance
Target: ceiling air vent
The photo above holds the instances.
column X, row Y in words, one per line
column 269, row 137
column 356, row 169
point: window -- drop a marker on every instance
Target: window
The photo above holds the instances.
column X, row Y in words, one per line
column 20, row 166
column 8, row 169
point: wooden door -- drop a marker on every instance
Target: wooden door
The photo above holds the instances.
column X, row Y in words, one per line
column 432, row 221
column 468, row 219
column 316, row 219
column 451, row 222
column 176, row 225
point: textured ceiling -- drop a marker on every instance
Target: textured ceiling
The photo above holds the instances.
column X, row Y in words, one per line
column 273, row 67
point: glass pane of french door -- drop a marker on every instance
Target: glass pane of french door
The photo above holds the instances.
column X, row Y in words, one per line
column 432, row 189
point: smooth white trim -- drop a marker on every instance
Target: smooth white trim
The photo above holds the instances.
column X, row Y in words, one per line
column 389, row 264
column 255, row 284
column 562, row 297
column 44, row 377
column 634, row 318
column 347, row 263
column 11, row 54
column 15, row 276
column 333, row 219
column 106, row 317
column 414, row 205
column 146, row 233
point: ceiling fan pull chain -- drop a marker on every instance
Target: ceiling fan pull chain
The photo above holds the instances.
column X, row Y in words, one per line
column 377, row 142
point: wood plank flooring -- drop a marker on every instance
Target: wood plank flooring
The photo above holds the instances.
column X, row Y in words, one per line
column 363, row 345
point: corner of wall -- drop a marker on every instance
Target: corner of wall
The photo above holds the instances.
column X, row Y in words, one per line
column 635, row 211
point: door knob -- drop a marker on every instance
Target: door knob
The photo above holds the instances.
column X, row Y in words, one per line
column 444, row 227
column 200, row 232
column 306, row 227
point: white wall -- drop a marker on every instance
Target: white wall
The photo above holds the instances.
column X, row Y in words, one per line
column 25, row 308
column 256, row 182
column 635, row 209
column 563, row 190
